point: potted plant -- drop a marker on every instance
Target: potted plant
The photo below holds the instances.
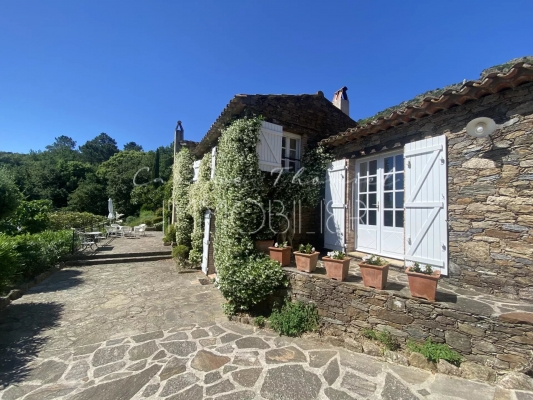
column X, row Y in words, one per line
column 306, row 258
column 337, row 265
column 262, row 242
column 281, row 253
column 374, row 271
column 423, row 282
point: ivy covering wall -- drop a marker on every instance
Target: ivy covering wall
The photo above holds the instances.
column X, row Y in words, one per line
column 200, row 199
column 182, row 179
column 245, row 277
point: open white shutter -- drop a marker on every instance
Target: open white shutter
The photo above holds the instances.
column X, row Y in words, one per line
column 196, row 167
column 426, row 198
column 213, row 161
column 269, row 146
column 335, row 206
column 205, row 242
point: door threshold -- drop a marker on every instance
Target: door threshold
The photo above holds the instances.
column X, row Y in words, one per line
column 398, row 264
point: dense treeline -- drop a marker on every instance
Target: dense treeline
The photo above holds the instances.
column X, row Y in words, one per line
column 83, row 178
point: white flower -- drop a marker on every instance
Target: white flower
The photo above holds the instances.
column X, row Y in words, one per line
column 313, row 249
column 276, row 244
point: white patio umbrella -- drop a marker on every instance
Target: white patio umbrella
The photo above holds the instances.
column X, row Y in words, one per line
column 110, row 208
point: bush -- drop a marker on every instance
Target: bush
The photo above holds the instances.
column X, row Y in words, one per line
column 180, row 253
column 249, row 281
column 171, row 234
column 182, row 179
column 436, row 351
column 156, row 220
column 259, row 321
column 294, row 319
column 9, row 260
column 148, row 222
column 10, row 195
column 73, row 219
column 384, row 337
column 158, row 226
column 159, row 212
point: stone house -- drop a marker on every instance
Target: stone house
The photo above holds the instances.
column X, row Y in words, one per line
column 414, row 186
column 292, row 124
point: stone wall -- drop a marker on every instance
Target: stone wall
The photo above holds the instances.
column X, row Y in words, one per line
column 499, row 343
column 490, row 189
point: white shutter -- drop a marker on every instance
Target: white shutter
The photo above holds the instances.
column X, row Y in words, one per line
column 335, row 206
column 213, row 162
column 426, row 198
column 205, row 250
column 269, row 146
column 196, row 167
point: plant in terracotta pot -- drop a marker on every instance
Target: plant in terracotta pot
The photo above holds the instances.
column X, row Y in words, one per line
column 263, row 240
column 306, row 258
column 374, row 271
column 281, row 253
column 337, row 265
column 423, row 282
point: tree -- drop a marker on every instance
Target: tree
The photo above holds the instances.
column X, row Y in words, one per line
column 10, row 196
column 89, row 196
column 133, row 146
column 100, row 149
column 155, row 169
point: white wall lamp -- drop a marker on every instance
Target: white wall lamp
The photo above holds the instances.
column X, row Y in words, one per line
column 481, row 127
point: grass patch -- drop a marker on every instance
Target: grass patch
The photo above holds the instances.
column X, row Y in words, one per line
column 436, row 351
column 384, row 337
column 294, row 319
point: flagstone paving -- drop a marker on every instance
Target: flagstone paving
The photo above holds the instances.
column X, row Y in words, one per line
column 143, row 331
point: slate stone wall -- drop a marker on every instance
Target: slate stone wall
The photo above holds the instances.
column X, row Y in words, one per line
column 498, row 343
column 490, row 189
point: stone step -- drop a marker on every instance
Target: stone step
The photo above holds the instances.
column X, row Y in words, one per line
column 102, row 255
column 123, row 260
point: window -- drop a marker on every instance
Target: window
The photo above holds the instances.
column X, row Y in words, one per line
column 290, row 151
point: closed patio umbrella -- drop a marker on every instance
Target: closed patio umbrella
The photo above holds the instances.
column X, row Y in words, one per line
column 110, row 208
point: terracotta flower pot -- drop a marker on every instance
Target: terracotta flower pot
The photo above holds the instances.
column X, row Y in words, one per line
column 306, row 262
column 282, row 255
column 263, row 245
column 336, row 269
column 374, row 275
column 423, row 285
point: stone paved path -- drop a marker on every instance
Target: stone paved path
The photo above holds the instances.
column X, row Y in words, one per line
column 143, row 331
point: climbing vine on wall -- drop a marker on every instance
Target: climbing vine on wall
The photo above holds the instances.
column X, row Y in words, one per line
column 182, row 178
column 200, row 199
column 245, row 278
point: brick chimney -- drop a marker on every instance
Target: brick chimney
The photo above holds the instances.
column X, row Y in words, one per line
column 340, row 100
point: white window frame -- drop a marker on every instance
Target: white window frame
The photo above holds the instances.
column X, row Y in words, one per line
column 284, row 158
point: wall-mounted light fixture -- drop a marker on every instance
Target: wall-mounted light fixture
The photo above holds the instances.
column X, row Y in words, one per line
column 481, row 127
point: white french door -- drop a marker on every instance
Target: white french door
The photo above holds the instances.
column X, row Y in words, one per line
column 379, row 205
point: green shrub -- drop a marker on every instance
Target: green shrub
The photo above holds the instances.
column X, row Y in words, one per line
column 182, row 179
column 158, row 226
column 10, row 195
column 180, row 253
column 9, row 260
column 249, row 281
column 148, row 222
column 170, row 235
column 294, row 318
column 384, row 337
column 435, row 351
column 72, row 219
column 259, row 321
column 155, row 220
column 159, row 212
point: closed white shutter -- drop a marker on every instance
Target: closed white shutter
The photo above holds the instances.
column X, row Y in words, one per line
column 196, row 167
column 206, row 241
column 213, row 161
column 335, row 206
column 426, row 229
column 269, row 146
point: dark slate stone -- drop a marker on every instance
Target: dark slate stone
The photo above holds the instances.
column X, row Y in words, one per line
column 229, row 337
column 151, row 389
column 424, row 392
column 159, row 355
column 115, row 375
column 109, row 368
column 334, row 394
column 524, row 396
column 290, row 382
column 114, row 342
column 318, row 359
column 332, row 372
column 221, row 387
column 49, row 371
column 285, row 355
column 242, row 395
column 180, row 348
column 247, row 377
column 228, row 368
column 138, row 366
column 108, row 355
column 50, row 392
column 251, row 343
column 16, row 392
column 247, row 359
column 358, row 385
column 78, row 371
column 361, row 363
column 216, row 330
column 178, row 383
column 393, row 389
column 148, row 336
column 199, row 333
column 175, row 366
column 176, row 336
column 142, row 351
column 122, row 389
column 80, row 351
column 194, row 393
column 212, row 377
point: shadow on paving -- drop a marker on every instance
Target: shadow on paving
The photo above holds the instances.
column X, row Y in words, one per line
column 62, row 280
column 20, row 325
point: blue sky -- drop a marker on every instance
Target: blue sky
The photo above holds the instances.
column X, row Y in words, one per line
column 133, row 68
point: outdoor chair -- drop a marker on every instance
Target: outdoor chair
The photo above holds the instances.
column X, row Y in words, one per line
column 111, row 231
column 127, row 231
column 86, row 241
column 142, row 229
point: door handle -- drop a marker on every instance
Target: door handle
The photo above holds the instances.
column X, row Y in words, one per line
column 377, row 205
